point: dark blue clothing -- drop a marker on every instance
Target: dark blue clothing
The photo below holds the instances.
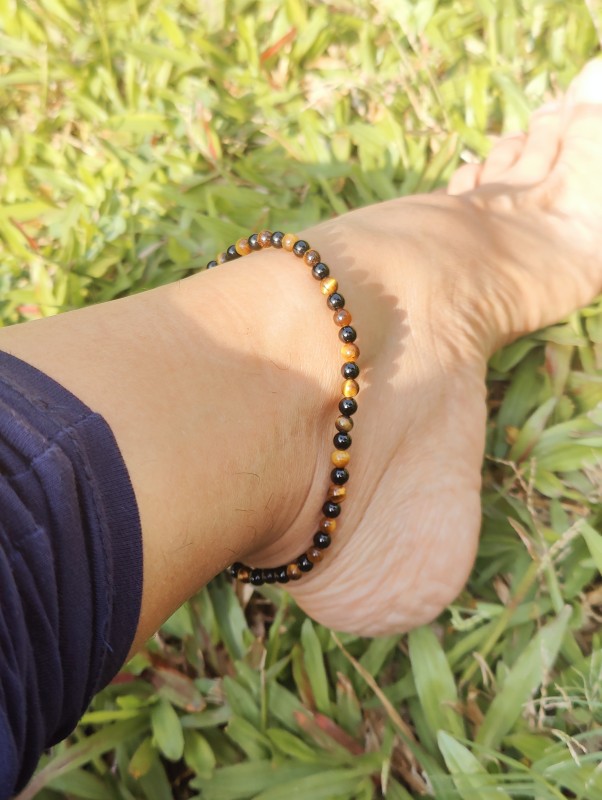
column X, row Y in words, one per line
column 70, row 564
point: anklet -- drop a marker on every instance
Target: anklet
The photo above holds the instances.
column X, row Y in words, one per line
column 347, row 405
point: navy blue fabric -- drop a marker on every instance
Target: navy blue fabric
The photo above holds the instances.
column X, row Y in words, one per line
column 70, row 564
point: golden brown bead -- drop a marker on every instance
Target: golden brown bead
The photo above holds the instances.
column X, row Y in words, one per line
column 336, row 494
column 329, row 286
column 340, row 458
column 328, row 525
column 293, row 572
column 243, row 248
column 265, row 238
column 243, row 575
column 342, row 317
column 311, row 258
column 315, row 554
column 289, row 241
column 344, row 424
column 350, row 352
column 222, row 258
column 350, row 388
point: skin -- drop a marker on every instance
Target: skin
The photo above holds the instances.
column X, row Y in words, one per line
column 222, row 389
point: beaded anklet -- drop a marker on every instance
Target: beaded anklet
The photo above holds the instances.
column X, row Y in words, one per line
column 347, row 406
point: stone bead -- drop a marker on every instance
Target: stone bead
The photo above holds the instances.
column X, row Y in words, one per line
column 344, row 424
column 254, row 242
column 293, row 571
column 311, row 258
column 257, row 577
column 350, row 370
column 348, row 406
column 350, row 388
column 222, row 258
column 264, row 239
column 289, row 240
column 328, row 285
column 322, row 540
column 211, row 264
column 347, row 334
column 232, row 253
column 340, row 458
column 328, row 525
column 281, row 575
column 350, row 352
column 336, row 301
column 331, row 510
column 336, row 494
column 305, row 565
column 314, row 554
column 243, row 248
column 300, row 248
column 339, row 476
column 342, row 441
column 320, row 271
column 342, row 317
column 234, row 569
column 244, row 574
column 277, row 238
column 269, row 575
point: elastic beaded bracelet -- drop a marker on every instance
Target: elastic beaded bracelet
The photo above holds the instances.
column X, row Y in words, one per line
column 347, row 406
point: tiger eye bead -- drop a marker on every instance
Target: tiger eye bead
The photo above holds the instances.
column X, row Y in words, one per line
column 243, row 575
column 315, row 555
column 350, row 388
column 322, row 540
column 347, row 334
column 336, row 494
column 311, row 258
column 344, row 424
column 288, row 242
column 254, row 242
column 293, row 572
column 211, row 264
column 336, row 301
column 339, row 476
column 320, row 271
column 342, row 317
column 342, row 441
column 328, row 525
column 350, row 370
column 264, row 238
column 305, row 565
column 300, row 248
column 340, row 458
column 222, row 258
column 348, row 406
column 243, row 248
column 277, row 238
column 328, row 285
column 350, row 352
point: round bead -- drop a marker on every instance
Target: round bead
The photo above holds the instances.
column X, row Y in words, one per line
column 288, row 242
column 336, row 494
column 305, row 565
column 314, row 554
column 320, row 271
column 311, row 258
column 322, row 540
column 293, row 572
column 243, row 248
column 331, row 510
column 350, row 370
column 347, row 334
column 350, row 388
column 342, row 441
column 264, row 239
column 232, row 253
column 257, row 577
column 344, row 424
column 300, row 248
column 281, row 575
column 253, row 242
column 244, row 574
column 222, row 258
column 339, row 476
column 269, row 575
column 340, row 458
column 342, row 317
column 277, row 238
column 235, row 568
column 350, row 352
column 348, row 406
column 328, row 285
column 336, row 301
column 211, row 264
column 328, row 525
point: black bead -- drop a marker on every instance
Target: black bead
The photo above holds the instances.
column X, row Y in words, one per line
column 320, row 271
column 350, row 370
column 253, row 243
column 257, row 577
column 269, row 576
column 304, row 563
column 281, row 575
column 300, row 248
column 234, row 569
column 347, row 334
column 322, row 540
column 211, row 264
column 231, row 253
column 277, row 238
column 342, row 441
column 339, row 476
column 336, row 301
column 348, row 406
column 331, row 510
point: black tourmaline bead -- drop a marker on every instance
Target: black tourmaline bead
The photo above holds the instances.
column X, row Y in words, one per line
column 347, row 334
column 320, row 271
column 231, row 253
column 342, row 441
column 257, row 577
column 281, row 576
column 269, row 576
column 234, row 569
column 300, row 248
column 348, row 406
column 211, row 264
column 253, row 243
column 350, row 370
column 331, row 510
column 277, row 238
column 339, row 476
column 336, row 301
column 304, row 563
column 322, row 540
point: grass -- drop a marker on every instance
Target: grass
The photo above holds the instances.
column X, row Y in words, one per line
column 140, row 137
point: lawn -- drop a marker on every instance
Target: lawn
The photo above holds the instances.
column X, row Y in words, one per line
column 139, row 138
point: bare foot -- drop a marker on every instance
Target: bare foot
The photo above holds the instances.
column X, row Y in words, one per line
column 514, row 246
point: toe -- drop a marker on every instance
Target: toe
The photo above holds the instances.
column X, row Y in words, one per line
column 464, row 179
column 503, row 156
column 541, row 148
